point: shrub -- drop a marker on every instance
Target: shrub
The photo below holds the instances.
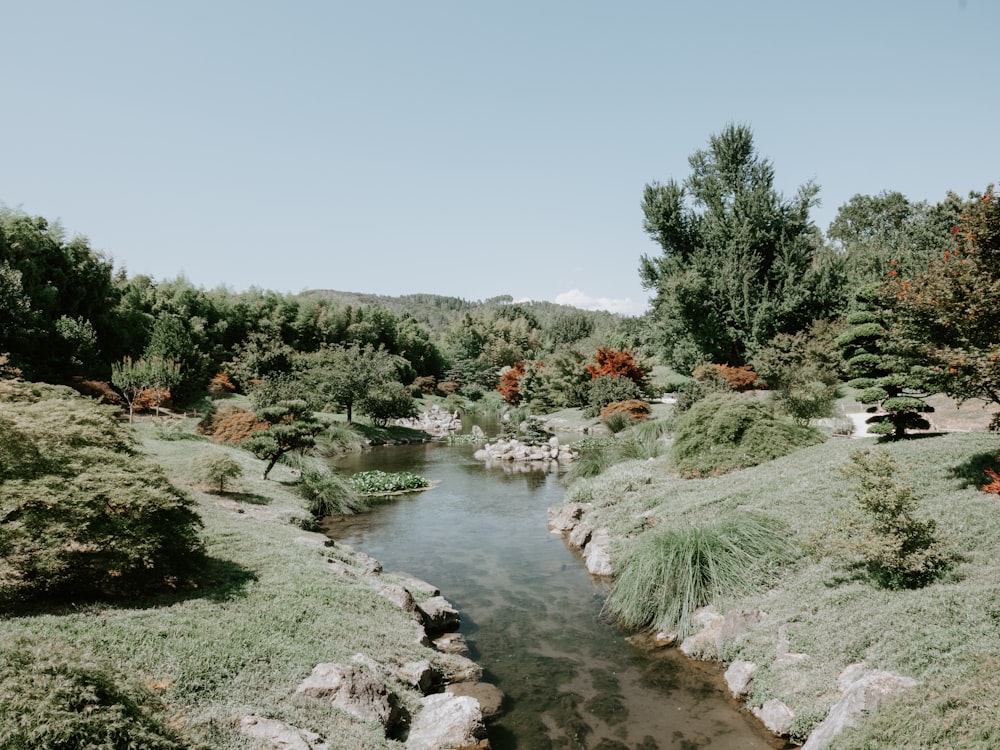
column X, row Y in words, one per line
column 215, row 467
column 668, row 574
column 606, row 389
column 53, row 698
column 220, row 385
column 80, row 515
column 882, row 534
column 615, row 421
column 386, row 401
column 994, row 484
column 426, row 384
column 233, row 426
column 634, row 409
column 738, row 378
column 723, row 432
column 328, row 494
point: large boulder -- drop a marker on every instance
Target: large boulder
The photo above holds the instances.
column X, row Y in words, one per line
column 490, row 697
column 776, row 716
column 353, row 688
column 448, row 721
column 863, row 691
column 439, row 615
column 597, row 553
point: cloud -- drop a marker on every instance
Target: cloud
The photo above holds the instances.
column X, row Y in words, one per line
column 576, row 298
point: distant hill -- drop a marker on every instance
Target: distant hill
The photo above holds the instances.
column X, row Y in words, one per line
column 438, row 312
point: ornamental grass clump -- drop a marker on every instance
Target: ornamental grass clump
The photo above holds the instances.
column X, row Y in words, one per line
column 668, row 574
column 329, row 494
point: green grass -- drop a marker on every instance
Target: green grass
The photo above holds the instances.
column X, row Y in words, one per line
column 944, row 634
column 268, row 609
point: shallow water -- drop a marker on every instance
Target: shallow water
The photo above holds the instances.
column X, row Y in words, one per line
column 532, row 614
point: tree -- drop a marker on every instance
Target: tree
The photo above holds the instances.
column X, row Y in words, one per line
column 892, row 381
column 385, row 401
column 215, row 467
column 618, row 364
column 129, row 377
column 343, row 375
column 950, row 314
column 739, row 261
column 291, row 427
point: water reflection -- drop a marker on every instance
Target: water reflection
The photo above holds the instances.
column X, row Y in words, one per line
column 532, row 615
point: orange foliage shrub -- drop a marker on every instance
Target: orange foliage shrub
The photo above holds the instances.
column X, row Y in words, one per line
column 220, row 385
column 636, row 410
column 235, row 426
column 738, row 378
column 617, row 364
column 98, row 389
column 447, row 388
column 147, row 398
column 427, row 384
column 509, row 382
column 994, row 484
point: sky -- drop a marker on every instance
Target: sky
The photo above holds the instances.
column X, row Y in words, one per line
column 468, row 149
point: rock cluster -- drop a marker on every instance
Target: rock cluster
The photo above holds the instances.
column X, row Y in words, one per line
column 593, row 544
column 514, row 450
column 455, row 703
column 436, row 421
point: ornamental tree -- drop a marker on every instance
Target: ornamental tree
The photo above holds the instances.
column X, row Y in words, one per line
column 618, row 364
column 291, row 427
column 891, row 381
column 951, row 313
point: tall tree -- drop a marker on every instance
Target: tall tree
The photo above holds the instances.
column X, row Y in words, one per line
column 739, row 260
column 950, row 314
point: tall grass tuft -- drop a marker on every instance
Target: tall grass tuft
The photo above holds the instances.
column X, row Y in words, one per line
column 328, row 494
column 594, row 457
column 337, row 439
column 669, row 574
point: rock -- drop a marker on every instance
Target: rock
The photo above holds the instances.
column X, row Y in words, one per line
column 416, row 585
column 353, row 689
column 281, row 735
column 579, row 537
column 863, row 693
column 490, row 697
column 566, row 517
column 451, row 643
column 739, row 678
column 717, row 630
column 776, row 716
column 402, row 598
column 368, row 564
column 439, row 615
column 448, row 721
column 597, row 553
column 460, row 668
column 420, row 674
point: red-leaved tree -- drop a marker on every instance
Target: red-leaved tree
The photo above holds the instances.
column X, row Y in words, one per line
column 617, row 364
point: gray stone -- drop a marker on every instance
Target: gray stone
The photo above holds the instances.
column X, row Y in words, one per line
column 458, row 668
column 448, row 721
column 490, row 697
column 353, row 689
column 862, row 695
column 579, row 537
column 417, row 586
column 566, row 517
column 439, row 615
column 420, row 674
column 451, row 643
column 776, row 716
column 280, row 735
column 739, row 677
column 597, row 553
column 402, row 598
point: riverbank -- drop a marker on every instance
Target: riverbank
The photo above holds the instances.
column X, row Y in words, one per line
column 275, row 602
column 811, row 627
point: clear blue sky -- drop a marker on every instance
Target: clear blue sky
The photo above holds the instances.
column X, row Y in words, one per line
column 466, row 148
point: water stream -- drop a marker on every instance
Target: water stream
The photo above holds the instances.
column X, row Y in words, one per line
column 532, row 614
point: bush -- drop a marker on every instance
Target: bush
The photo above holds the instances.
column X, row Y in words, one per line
column 635, row 410
column 81, row 516
column 606, row 389
column 723, row 432
column 215, row 467
column 51, row 698
column 668, row 574
column 737, row 378
column 391, row 400
column 882, row 534
column 234, row 426
column 328, row 494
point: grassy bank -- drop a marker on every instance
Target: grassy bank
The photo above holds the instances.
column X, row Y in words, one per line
column 947, row 634
column 267, row 610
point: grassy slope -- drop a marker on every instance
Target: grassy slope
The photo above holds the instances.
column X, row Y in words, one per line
column 947, row 635
column 243, row 642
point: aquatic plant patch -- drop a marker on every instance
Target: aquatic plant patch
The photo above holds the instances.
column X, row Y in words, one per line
column 383, row 483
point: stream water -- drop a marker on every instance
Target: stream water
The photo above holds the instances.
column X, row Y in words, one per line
column 532, row 615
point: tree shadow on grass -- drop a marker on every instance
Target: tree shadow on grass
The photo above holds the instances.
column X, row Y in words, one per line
column 215, row 579
column 972, row 471
column 249, row 498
